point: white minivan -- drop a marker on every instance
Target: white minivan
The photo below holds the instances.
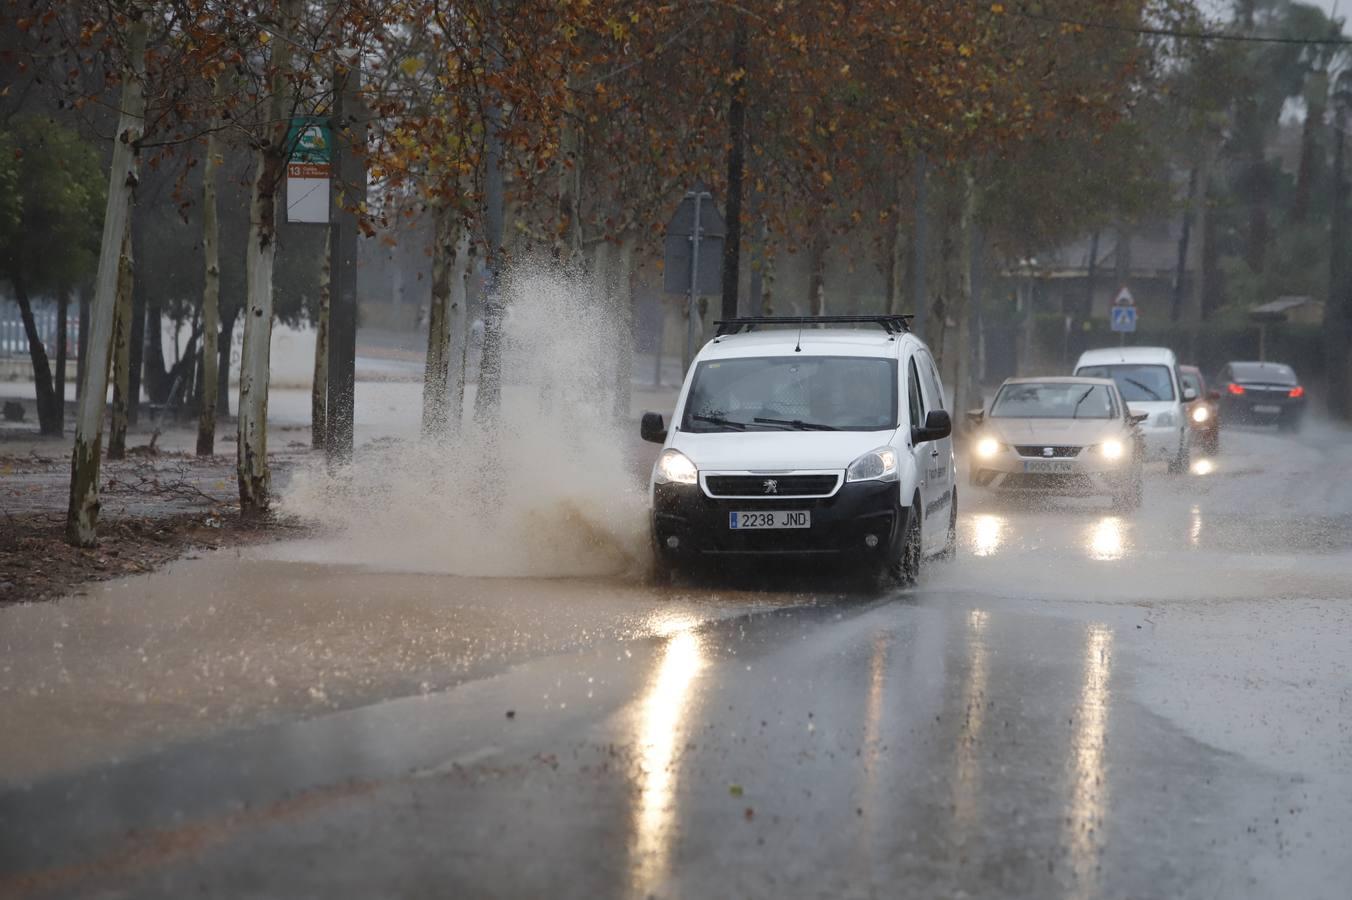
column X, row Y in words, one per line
column 1148, row 379
column 826, row 444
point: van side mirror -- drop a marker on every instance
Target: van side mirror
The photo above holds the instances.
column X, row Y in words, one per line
column 976, row 416
column 1137, row 418
column 938, row 425
column 652, row 428
column 1189, row 394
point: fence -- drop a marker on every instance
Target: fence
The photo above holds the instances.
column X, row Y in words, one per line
column 14, row 339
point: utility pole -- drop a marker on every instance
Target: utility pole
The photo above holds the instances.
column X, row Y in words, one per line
column 692, row 307
column 346, row 193
column 732, row 249
column 1336, row 324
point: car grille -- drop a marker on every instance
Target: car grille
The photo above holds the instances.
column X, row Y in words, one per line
column 770, row 485
column 1035, row 451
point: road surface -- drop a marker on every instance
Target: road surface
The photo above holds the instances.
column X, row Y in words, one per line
column 1082, row 705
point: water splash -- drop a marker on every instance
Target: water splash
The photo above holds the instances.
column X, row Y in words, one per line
column 545, row 490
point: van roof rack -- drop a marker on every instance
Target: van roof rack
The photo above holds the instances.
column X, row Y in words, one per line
column 892, row 324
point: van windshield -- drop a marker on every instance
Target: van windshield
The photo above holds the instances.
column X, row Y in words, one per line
column 801, row 393
column 1135, row 382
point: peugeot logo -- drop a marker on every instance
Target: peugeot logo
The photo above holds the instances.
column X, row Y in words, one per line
column 1048, row 451
column 771, row 486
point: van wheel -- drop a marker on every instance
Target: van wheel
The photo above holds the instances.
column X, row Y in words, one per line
column 904, row 568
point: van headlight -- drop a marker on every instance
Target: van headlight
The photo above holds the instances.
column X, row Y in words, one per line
column 986, row 448
column 1112, row 450
column 875, row 465
column 1201, row 414
column 674, row 467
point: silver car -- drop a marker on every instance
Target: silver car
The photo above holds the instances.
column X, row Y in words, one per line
column 1070, row 435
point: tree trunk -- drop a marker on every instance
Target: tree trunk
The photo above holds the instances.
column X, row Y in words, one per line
column 1338, row 394
column 962, row 306
column 83, row 511
column 624, row 324
column 319, row 387
column 437, row 367
column 137, row 350
column 223, row 364
column 489, row 395
column 82, row 345
column 732, row 241
column 62, row 338
column 896, row 255
column 49, row 420
column 156, row 373
column 1181, row 265
column 457, row 324
column 919, row 248
column 568, row 239
column 816, row 281
column 117, row 426
column 1316, row 89
column 261, row 254
column 211, row 291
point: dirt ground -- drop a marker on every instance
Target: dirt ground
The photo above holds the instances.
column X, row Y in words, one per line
column 156, row 507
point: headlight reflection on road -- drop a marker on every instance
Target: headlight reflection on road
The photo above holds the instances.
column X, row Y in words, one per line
column 1195, row 527
column 659, row 719
column 987, row 535
column 967, row 781
column 1107, row 541
column 1089, row 777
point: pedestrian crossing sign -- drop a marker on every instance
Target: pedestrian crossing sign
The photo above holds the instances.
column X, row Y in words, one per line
column 1124, row 318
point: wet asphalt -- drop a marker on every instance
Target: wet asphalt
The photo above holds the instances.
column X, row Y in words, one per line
column 1082, row 705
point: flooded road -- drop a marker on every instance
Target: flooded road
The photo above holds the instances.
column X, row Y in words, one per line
column 1082, row 705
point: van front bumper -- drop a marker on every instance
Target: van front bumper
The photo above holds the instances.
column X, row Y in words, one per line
column 689, row 526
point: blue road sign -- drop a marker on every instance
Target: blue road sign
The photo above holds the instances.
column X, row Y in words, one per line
column 1124, row 318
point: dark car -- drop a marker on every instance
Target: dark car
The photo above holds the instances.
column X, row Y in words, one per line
column 1261, row 393
column 1204, row 413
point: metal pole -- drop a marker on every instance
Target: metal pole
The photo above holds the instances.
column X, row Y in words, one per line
column 661, row 333
column 693, row 308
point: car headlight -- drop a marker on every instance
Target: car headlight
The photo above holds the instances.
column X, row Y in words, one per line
column 674, row 467
column 987, row 448
column 1112, row 450
column 1164, row 420
column 875, row 465
column 1201, row 414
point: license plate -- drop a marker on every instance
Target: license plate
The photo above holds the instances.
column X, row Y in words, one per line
column 778, row 518
column 1049, row 466
column 1267, row 410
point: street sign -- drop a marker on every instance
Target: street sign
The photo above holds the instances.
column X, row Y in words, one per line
column 1124, row 319
column 680, row 249
column 308, row 170
column 1124, row 298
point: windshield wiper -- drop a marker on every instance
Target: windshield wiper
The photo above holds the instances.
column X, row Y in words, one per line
column 1144, row 387
column 719, row 420
column 1075, row 413
column 796, row 424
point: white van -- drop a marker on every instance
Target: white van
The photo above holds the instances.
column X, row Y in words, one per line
column 1148, row 380
column 825, row 444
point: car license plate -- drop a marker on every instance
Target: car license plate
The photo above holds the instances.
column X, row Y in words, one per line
column 1264, row 410
column 1049, row 466
column 778, row 518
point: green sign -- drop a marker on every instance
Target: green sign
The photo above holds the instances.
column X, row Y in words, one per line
column 310, row 140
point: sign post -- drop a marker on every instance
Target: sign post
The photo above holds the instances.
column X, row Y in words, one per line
column 1123, row 314
column 694, row 256
column 308, row 170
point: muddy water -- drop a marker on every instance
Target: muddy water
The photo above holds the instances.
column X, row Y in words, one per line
column 231, row 641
